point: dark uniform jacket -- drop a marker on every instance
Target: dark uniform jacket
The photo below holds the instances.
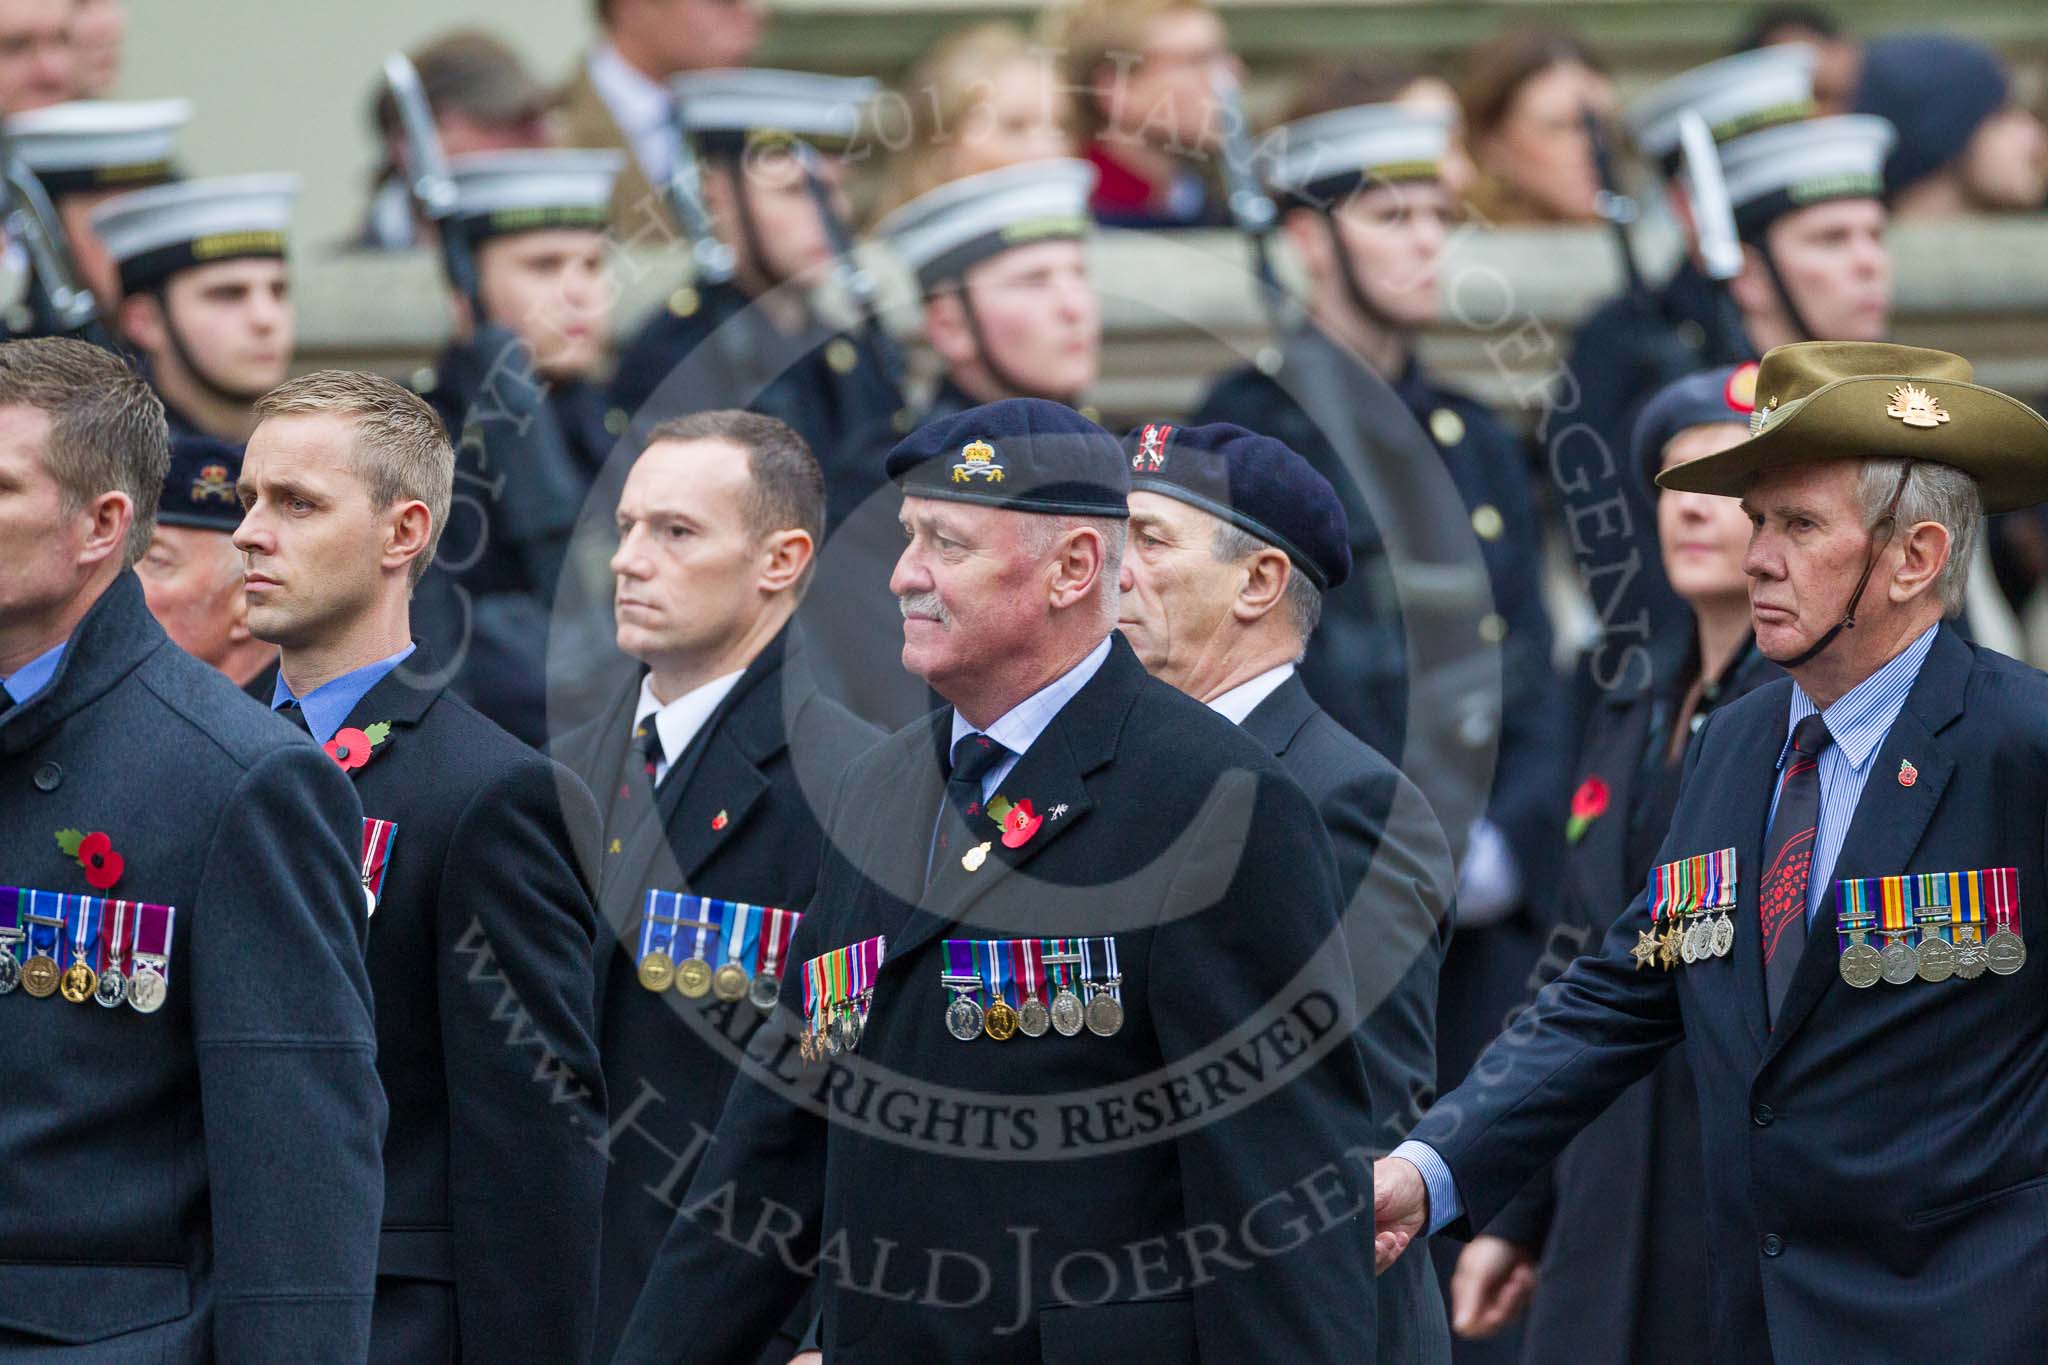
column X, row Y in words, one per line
column 736, row 818
column 1619, row 1214
column 723, row 353
column 199, row 1184
column 526, row 464
column 480, row 952
column 1623, row 352
column 1168, row 830
column 1395, row 870
column 1872, row 1175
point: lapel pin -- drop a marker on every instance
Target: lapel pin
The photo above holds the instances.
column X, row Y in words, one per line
column 1908, row 774
column 719, row 820
column 1020, row 822
column 974, row 857
column 95, row 853
column 614, row 848
column 1057, row 811
column 351, row 748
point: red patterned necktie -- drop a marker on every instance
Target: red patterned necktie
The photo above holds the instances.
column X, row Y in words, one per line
column 1788, row 859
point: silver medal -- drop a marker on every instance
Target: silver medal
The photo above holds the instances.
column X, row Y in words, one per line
column 1937, row 959
column 1066, row 1013
column 146, row 991
column 1862, row 965
column 1033, row 1018
column 1971, row 959
column 964, row 1019
column 10, row 971
column 1901, row 963
column 849, row 1030
column 764, row 991
column 112, row 990
column 1105, row 1012
column 2006, row 953
column 1724, row 935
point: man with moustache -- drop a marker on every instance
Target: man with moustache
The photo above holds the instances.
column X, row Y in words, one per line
column 472, row 852
column 1148, row 856
column 1872, row 1141
column 1234, row 541
column 711, row 768
column 1001, row 261
column 192, row 574
column 188, row 1146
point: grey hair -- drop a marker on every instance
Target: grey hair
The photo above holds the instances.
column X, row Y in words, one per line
column 1303, row 599
column 1047, row 529
column 1935, row 492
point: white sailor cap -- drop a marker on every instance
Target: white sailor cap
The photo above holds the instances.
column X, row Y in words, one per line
column 100, row 144
column 154, row 233
column 939, row 234
column 1735, row 95
column 726, row 110
column 530, row 190
column 1324, row 157
column 1776, row 170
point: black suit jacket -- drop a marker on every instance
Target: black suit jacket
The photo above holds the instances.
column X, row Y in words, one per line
column 200, row 1184
column 480, row 952
column 767, row 761
column 1394, row 866
column 1166, row 828
column 1873, row 1165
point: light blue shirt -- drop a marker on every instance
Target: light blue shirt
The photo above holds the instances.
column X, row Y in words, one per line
column 328, row 705
column 32, row 677
column 1020, row 726
column 1858, row 723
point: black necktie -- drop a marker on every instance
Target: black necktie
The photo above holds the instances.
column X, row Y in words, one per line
column 1788, row 860
column 295, row 713
column 636, row 782
column 974, row 757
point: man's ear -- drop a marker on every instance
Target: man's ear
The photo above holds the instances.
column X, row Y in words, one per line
column 107, row 519
column 1077, row 562
column 1309, row 237
column 140, row 318
column 1751, row 288
column 789, row 553
column 1265, row 585
column 1924, row 549
column 411, row 527
column 946, row 330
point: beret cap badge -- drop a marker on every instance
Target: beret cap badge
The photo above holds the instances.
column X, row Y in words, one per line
column 1915, row 406
column 977, row 460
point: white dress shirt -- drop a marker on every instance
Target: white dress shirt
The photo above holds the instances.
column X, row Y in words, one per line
column 679, row 721
column 1243, row 699
column 1019, row 727
column 641, row 108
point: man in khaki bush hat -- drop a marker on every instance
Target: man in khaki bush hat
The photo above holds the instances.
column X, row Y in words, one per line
column 1837, row 907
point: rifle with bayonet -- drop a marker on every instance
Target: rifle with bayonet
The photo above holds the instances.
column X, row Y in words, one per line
column 1251, row 208
column 57, row 304
column 853, row 277
column 1720, row 248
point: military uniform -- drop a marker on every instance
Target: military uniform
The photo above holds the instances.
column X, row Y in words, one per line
column 1202, row 895
column 480, row 956
column 200, row 1182
column 1830, row 1230
column 735, row 818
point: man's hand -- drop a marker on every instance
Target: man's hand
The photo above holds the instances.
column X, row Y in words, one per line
column 1491, row 1286
column 1400, row 1209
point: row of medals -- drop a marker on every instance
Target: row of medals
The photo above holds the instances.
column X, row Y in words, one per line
column 40, row 976
column 966, row 1020
column 838, row 1030
column 1933, row 959
column 1706, row 936
column 693, row 977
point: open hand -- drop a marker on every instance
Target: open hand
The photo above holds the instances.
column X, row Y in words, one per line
column 1491, row 1286
column 1400, row 1209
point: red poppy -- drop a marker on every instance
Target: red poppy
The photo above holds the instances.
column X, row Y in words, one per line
column 1589, row 803
column 1020, row 824
column 350, row 748
column 103, row 866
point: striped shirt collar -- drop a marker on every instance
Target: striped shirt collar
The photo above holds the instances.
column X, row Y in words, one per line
column 1861, row 717
column 1020, row 726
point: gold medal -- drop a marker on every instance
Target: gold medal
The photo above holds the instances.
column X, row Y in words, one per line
column 731, row 982
column 1000, row 1021
column 693, row 977
column 657, row 971
column 39, row 976
column 79, row 982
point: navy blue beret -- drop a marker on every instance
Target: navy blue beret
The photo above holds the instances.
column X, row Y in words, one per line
column 1251, row 481
column 1727, row 394
column 1937, row 90
column 1024, row 454
column 200, row 490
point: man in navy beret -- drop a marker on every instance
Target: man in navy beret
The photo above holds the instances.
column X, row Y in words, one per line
column 1088, row 1090
column 192, row 573
column 1234, row 540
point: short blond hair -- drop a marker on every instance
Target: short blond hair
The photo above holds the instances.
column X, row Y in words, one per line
column 1088, row 35
column 945, row 88
column 401, row 449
